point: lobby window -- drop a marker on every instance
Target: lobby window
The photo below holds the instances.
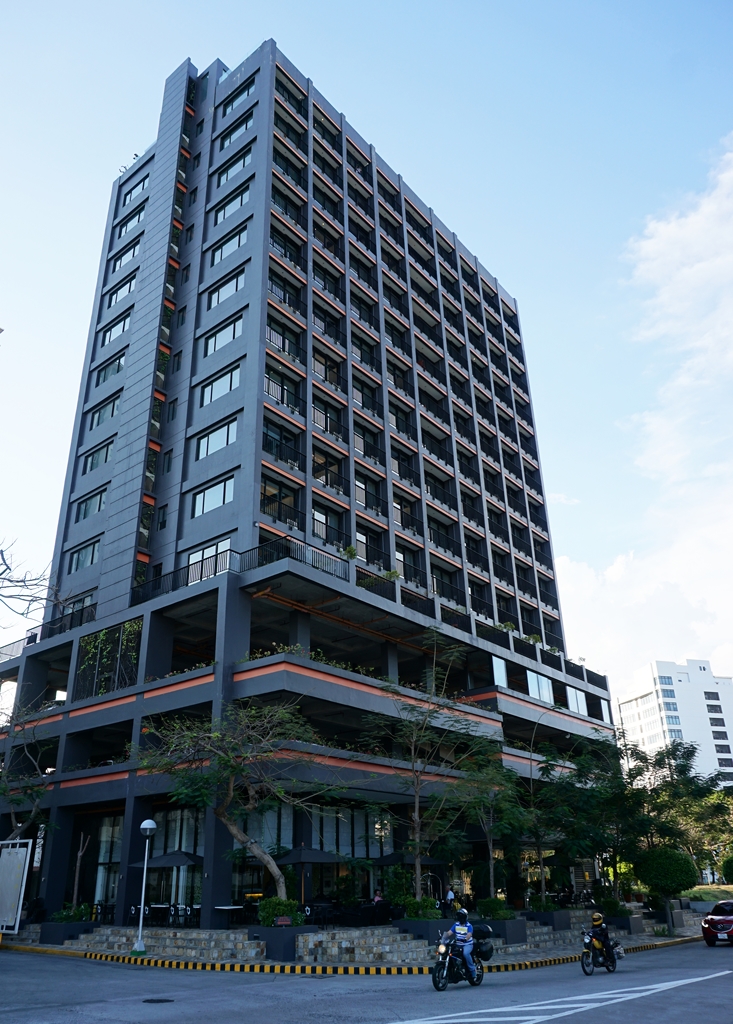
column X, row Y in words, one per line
column 82, row 558
column 213, row 497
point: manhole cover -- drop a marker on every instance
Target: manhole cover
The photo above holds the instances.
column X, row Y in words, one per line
column 158, row 1000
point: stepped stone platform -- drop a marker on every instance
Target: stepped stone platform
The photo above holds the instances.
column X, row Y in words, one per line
column 361, row 945
column 174, row 943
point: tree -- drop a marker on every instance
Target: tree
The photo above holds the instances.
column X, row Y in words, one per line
column 488, row 796
column 667, row 872
column 24, row 779
column 20, row 592
column 240, row 764
column 727, row 870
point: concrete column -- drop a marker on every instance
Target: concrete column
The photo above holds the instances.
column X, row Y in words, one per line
column 303, row 836
column 217, row 881
column 32, row 681
column 156, row 648
column 300, row 630
column 390, row 662
column 56, row 858
column 129, row 890
column 233, row 617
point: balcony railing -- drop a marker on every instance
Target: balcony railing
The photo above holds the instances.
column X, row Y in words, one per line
column 331, row 478
column 282, row 512
column 376, row 584
column 448, row 591
column 424, row 605
column 283, row 396
column 436, row 408
column 412, row 574
column 440, row 451
column 374, row 503
column 235, row 561
column 283, row 452
column 441, row 494
column 331, row 534
column 281, row 343
column 408, row 521
column 444, row 540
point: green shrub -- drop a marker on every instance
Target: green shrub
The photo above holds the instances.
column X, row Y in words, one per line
column 612, row 907
column 82, row 912
column 727, row 869
column 666, row 871
column 537, row 903
column 495, row 909
column 274, row 907
column 421, row 910
column 399, row 885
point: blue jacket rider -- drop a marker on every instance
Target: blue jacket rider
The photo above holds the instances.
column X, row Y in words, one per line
column 463, row 933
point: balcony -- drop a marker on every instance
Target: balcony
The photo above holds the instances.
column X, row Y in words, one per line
column 331, row 478
column 408, row 521
column 376, row 584
column 364, row 400
column 286, row 297
column 422, row 230
column 282, row 512
column 54, row 627
column 438, row 409
column 405, row 471
column 439, row 539
column 448, row 591
column 478, row 559
column 239, row 562
column 329, row 329
column 482, row 607
column 330, row 535
column 412, row 574
column 330, row 375
column 283, row 452
column 284, row 396
column 284, row 345
column 369, row 450
column 436, row 448
column 373, row 503
column 441, row 494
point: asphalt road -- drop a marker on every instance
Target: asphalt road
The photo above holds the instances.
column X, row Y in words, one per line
column 674, row 986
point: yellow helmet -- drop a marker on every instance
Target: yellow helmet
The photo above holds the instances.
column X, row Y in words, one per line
column 597, row 919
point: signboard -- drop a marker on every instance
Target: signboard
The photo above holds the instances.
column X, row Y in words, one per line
column 14, row 859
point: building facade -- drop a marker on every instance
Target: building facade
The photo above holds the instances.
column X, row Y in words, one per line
column 304, row 441
column 683, row 702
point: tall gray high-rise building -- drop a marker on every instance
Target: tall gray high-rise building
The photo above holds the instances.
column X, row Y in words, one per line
column 304, row 440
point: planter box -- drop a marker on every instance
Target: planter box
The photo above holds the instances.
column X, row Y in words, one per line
column 429, row 930
column 559, row 919
column 55, row 933
column 702, row 906
column 280, row 942
column 512, row 932
column 660, row 917
column 634, row 925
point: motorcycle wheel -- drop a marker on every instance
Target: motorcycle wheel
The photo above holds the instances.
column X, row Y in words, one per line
column 610, row 965
column 440, row 976
column 479, row 974
column 586, row 962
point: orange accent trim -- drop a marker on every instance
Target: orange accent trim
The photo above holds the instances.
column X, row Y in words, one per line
column 288, row 269
column 181, row 187
column 367, row 330
column 274, row 408
column 164, row 348
column 148, row 499
column 377, row 380
column 189, row 110
column 285, row 362
column 358, row 411
column 141, row 557
column 283, row 313
column 330, row 497
column 301, row 193
column 371, row 467
column 444, row 468
column 288, row 224
column 199, row 681
column 322, row 297
column 276, row 469
column 518, row 700
column 350, row 684
column 185, row 152
column 160, row 395
column 322, row 440
column 408, row 537
column 439, row 554
column 377, row 769
column 272, row 529
column 178, row 223
column 174, row 263
column 401, row 397
column 33, row 723
column 369, row 519
column 168, row 304
column 443, row 511
column 112, row 777
column 103, row 705
column 330, row 394
column 154, row 445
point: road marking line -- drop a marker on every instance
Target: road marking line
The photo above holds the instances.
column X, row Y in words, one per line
column 564, row 1007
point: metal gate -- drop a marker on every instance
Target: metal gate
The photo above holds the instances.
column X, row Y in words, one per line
column 15, row 857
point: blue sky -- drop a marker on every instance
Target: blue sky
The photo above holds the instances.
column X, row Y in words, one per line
column 579, row 149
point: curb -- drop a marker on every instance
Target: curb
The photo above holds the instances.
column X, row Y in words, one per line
column 321, row 969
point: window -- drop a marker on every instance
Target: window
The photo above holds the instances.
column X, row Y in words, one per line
column 200, row 127
column 670, row 705
column 226, row 289
column 675, row 734
column 220, row 386
column 216, row 439
column 193, row 196
column 222, row 336
column 665, row 680
column 237, row 165
column 181, row 316
column 129, row 254
column 110, row 369
column 208, row 561
column 172, row 409
column 499, row 666
column 197, row 160
column 88, row 506
column 168, row 461
column 233, row 134
column 715, row 709
column 135, row 191
column 213, row 497
column 722, row 748
column 120, row 292
column 709, row 695
column 238, row 97
column 117, row 328
column 162, row 517
column 725, row 762
column 104, row 412
column 131, row 222
column 668, row 693
column 234, row 203
column 720, row 722
column 189, row 233
column 672, row 719
column 84, row 557
column 540, row 687
column 185, row 273
column 228, row 246
column 176, row 362
column 720, row 735
column 97, row 458
column 576, row 701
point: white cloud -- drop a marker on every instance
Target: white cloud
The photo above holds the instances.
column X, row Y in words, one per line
column 673, row 599
column 562, row 499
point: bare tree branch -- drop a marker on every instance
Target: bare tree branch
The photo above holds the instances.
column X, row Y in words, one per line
column 20, row 592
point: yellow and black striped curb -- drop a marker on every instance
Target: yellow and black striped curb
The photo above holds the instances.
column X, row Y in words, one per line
column 320, row 969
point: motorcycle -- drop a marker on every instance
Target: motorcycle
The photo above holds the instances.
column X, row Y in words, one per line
column 594, row 955
column 451, row 967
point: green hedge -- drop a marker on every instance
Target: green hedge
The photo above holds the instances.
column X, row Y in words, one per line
column 727, row 868
column 274, row 907
column 421, row 910
column 495, row 909
column 666, row 871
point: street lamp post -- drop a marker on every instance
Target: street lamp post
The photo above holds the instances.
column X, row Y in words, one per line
column 147, row 829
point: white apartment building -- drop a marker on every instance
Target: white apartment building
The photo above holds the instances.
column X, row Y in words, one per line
column 683, row 702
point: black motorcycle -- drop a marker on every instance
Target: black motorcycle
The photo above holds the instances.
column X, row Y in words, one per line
column 594, row 955
column 450, row 967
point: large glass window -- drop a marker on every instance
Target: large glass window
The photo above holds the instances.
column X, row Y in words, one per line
column 226, row 289
column 97, row 458
column 108, row 859
column 135, row 191
column 119, row 293
column 108, row 660
column 576, row 701
column 131, row 222
column 540, row 687
column 234, row 203
column 216, row 439
column 179, row 829
column 228, row 246
column 104, row 412
column 89, row 506
column 110, row 369
column 129, row 254
column 234, row 133
column 82, row 558
column 221, row 385
column 237, row 165
column 213, row 497
column 115, row 330
column 222, row 336
column 238, row 97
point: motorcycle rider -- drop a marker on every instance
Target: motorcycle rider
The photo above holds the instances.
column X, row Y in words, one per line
column 599, row 931
column 462, row 931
